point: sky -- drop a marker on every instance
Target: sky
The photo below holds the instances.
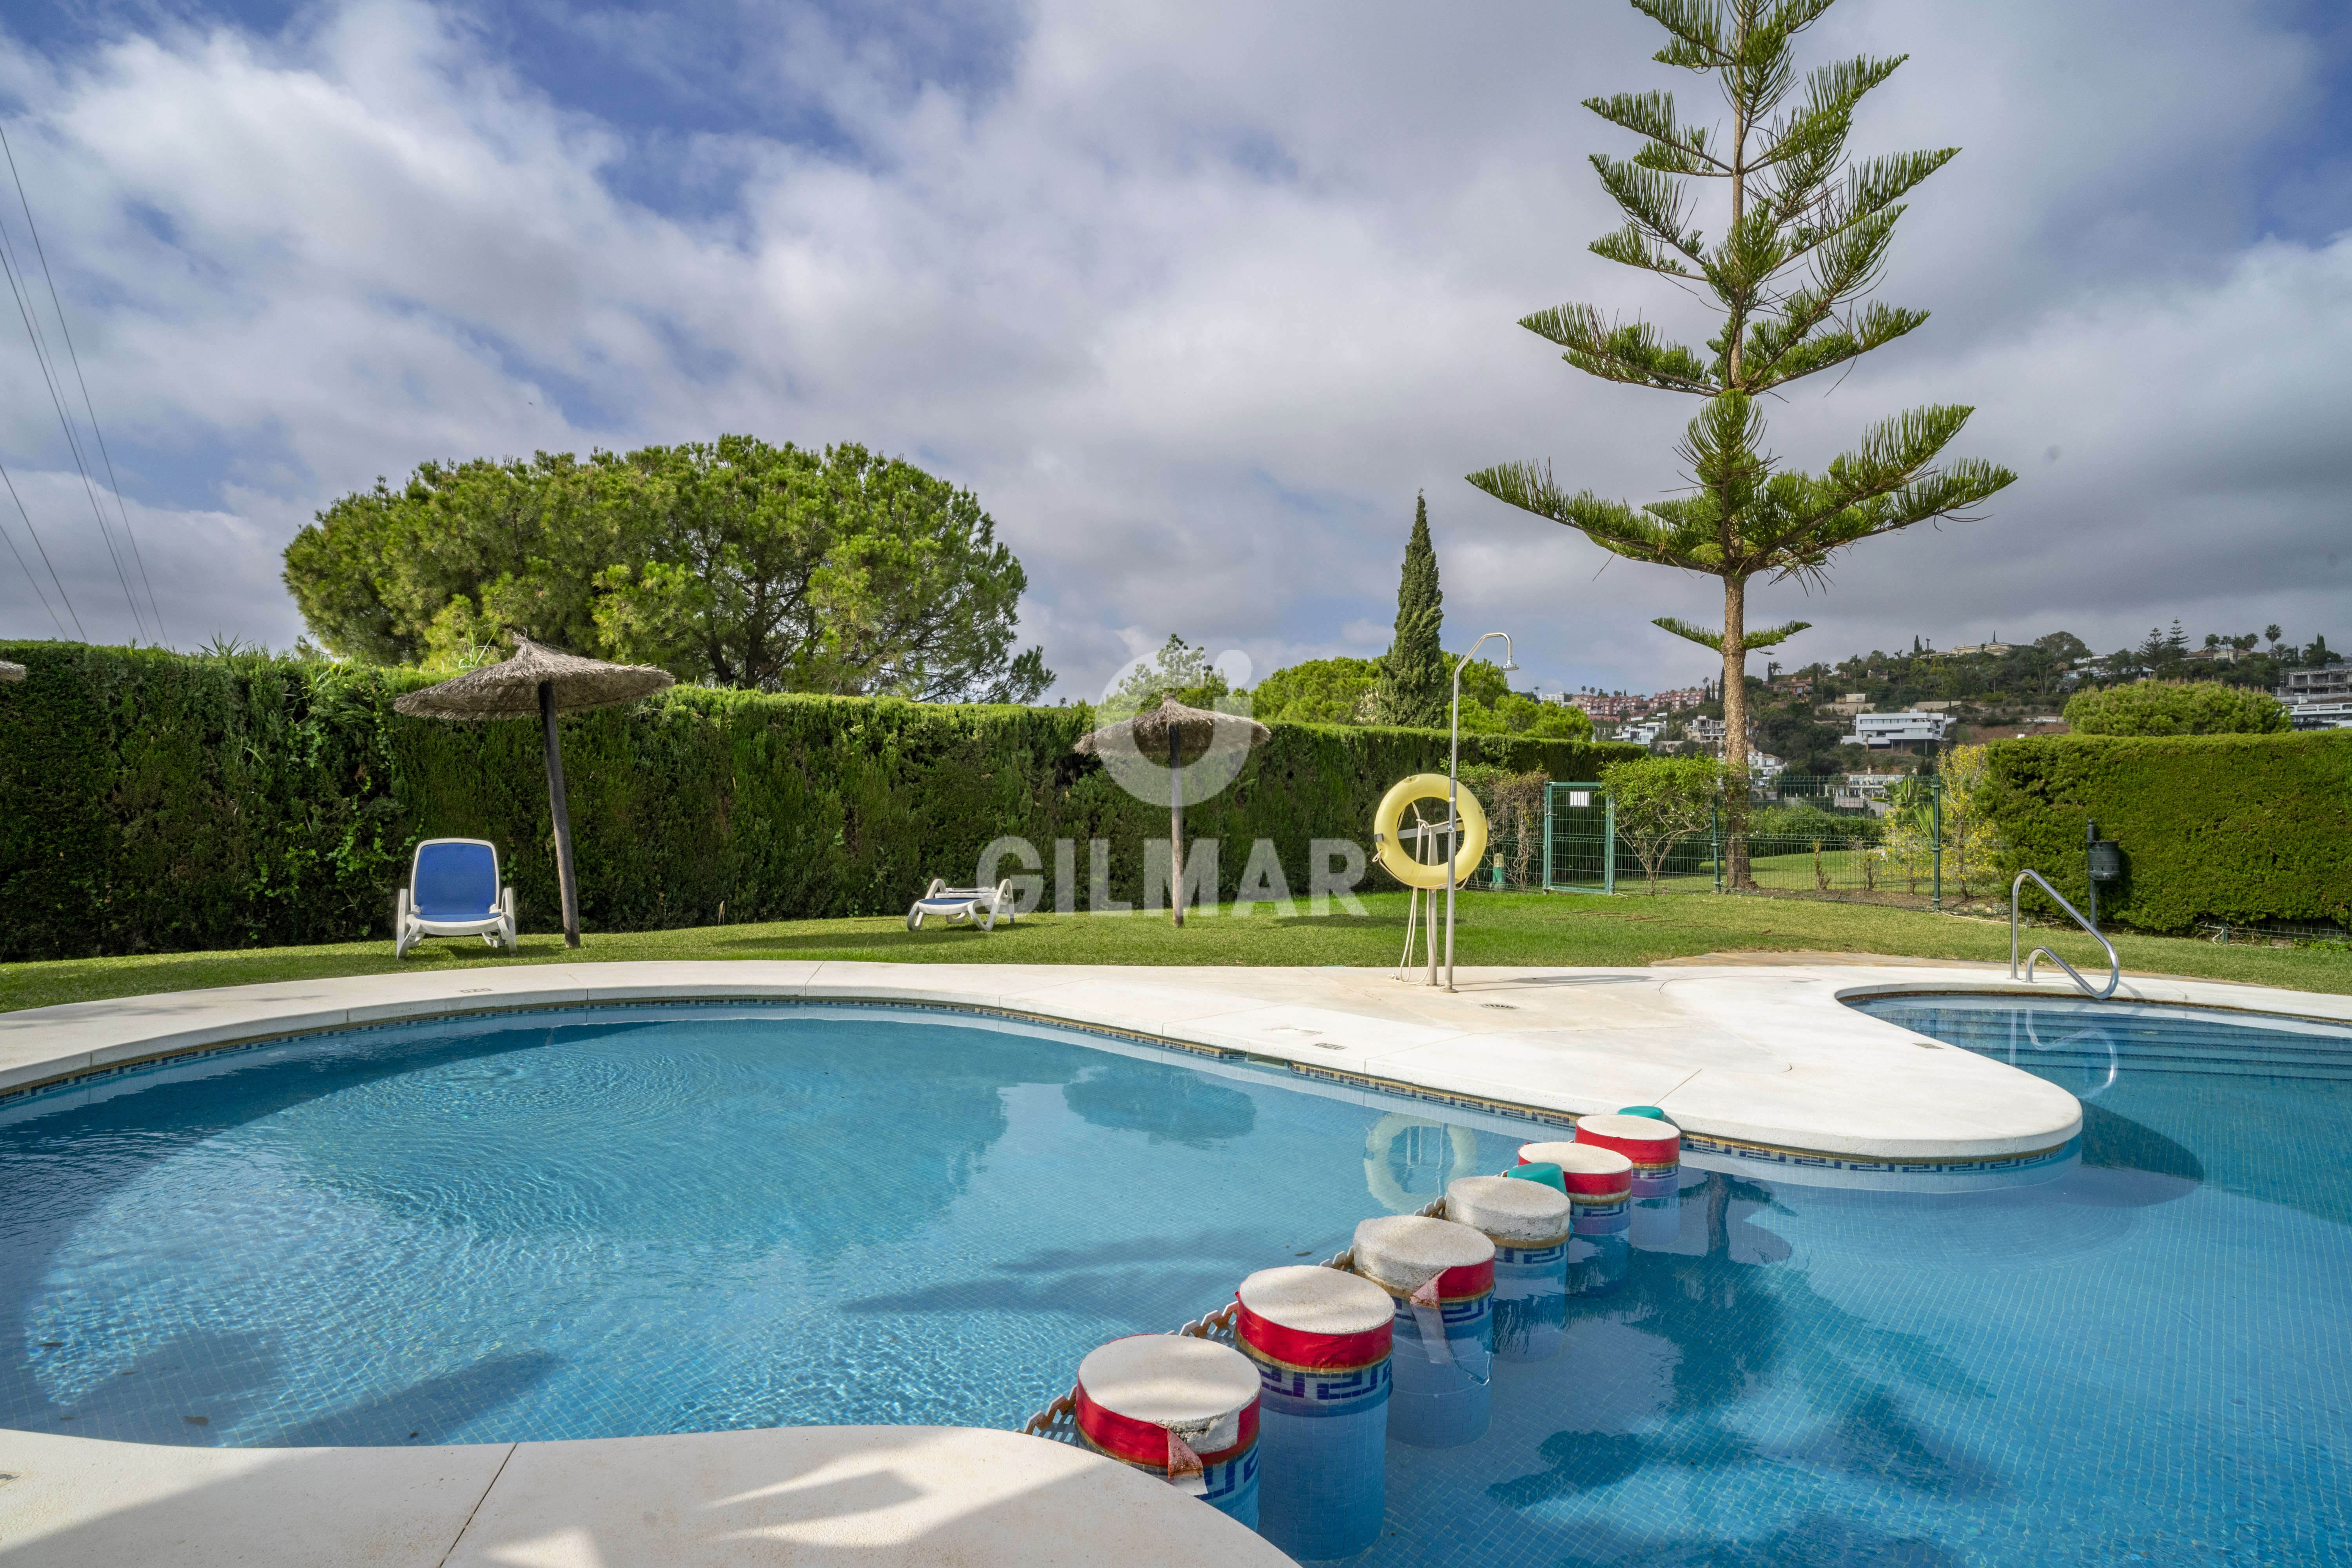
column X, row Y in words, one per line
column 1196, row 298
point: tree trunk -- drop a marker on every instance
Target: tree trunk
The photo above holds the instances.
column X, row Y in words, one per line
column 1735, row 734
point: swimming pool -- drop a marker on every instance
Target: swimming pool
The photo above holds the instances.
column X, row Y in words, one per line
column 820, row 1213
column 630, row 1220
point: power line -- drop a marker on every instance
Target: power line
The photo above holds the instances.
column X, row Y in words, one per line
column 57, row 399
column 36, row 582
column 91, row 408
column 45, row 560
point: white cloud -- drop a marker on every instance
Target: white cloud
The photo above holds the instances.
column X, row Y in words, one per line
column 1196, row 298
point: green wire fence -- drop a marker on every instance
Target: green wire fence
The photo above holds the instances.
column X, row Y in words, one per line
column 1874, row 838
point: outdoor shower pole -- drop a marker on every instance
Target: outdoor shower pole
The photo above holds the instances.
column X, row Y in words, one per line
column 1453, row 788
column 565, row 878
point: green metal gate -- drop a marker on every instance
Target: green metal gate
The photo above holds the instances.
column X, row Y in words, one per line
column 1580, row 840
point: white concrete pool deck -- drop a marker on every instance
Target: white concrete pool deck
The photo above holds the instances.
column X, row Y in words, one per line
column 1764, row 1058
column 1755, row 1055
column 920, row 1497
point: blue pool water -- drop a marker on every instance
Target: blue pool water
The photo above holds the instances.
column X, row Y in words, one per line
column 647, row 1219
column 677, row 1218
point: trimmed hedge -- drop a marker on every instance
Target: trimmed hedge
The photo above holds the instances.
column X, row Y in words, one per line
column 2228, row 827
column 2176, row 707
column 162, row 802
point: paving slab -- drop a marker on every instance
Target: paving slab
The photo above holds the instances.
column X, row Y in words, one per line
column 921, row 1497
column 1572, row 1071
column 885, row 1496
column 77, row 1502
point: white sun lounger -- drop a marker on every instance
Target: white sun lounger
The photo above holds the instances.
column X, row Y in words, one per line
column 963, row 905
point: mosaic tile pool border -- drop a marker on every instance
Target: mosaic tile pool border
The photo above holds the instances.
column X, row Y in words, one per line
column 1762, row 1153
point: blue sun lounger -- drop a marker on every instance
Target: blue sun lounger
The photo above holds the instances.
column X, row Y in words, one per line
column 452, row 890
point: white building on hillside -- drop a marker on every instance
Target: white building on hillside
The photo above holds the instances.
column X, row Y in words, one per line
column 2319, row 699
column 2321, row 715
column 2328, row 683
column 1909, row 728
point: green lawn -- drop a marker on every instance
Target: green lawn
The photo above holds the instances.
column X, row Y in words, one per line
column 1495, row 928
column 1791, row 871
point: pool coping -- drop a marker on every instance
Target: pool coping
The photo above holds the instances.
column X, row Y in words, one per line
column 1758, row 1065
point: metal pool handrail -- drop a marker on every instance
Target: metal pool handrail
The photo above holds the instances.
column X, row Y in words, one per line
column 2114, row 966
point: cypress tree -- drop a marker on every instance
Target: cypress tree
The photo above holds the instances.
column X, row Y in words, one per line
column 1413, row 678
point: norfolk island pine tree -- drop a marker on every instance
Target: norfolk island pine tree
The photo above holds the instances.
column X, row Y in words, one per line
column 1806, row 243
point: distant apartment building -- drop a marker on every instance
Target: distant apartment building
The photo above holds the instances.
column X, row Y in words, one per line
column 1636, row 705
column 1881, row 732
column 2319, row 699
column 1708, row 732
column 2321, row 715
column 2222, row 653
column 1965, row 649
column 2328, row 683
column 1864, row 791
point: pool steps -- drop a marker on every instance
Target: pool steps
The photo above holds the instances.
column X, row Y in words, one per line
column 1315, row 1489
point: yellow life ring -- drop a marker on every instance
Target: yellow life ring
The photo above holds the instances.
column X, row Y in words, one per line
column 1397, row 857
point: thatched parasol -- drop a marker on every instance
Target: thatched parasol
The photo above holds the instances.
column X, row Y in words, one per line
column 1184, row 736
column 545, row 681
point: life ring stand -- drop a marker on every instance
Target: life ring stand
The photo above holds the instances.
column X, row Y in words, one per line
column 1397, row 859
column 1384, row 1186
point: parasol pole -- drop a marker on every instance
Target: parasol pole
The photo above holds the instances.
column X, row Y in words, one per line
column 561, row 813
column 1175, row 828
column 1131, row 738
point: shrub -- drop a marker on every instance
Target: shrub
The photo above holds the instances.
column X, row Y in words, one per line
column 159, row 802
column 1661, row 801
column 1514, row 802
column 2232, row 828
column 1971, row 838
column 2176, row 707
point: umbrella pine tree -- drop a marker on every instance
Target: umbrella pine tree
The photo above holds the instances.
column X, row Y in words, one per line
column 1804, row 244
column 1414, row 682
